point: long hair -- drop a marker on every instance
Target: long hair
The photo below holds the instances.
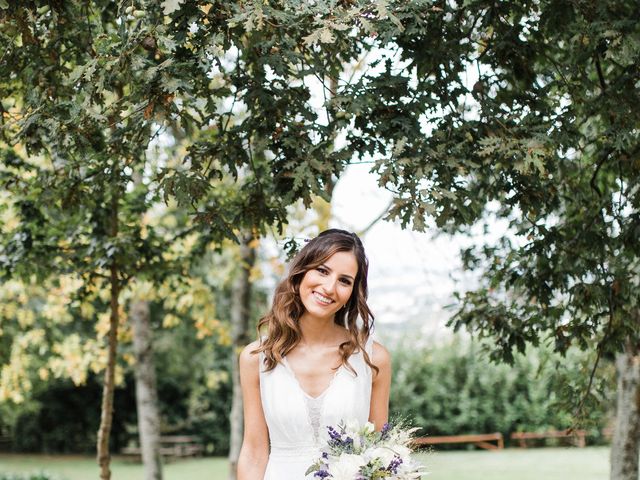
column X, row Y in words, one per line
column 282, row 320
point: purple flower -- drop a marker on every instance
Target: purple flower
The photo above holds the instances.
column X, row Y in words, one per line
column 321, row 474
column 333, row 433
column 394, row 464
column 336, row 439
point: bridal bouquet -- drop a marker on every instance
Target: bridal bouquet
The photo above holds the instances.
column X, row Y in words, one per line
column 353, row 452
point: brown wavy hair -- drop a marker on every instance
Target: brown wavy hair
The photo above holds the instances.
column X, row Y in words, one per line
column 282, row 320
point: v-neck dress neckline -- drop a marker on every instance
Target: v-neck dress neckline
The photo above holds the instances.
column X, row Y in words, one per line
column 286, row 364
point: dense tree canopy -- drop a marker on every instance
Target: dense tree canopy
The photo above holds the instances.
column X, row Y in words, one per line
column 535, row 120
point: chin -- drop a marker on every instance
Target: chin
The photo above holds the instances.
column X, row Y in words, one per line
column 317, row 311
column 320, row 313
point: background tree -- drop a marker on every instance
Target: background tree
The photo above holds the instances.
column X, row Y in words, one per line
column 146, row 389
column 523, row 112
column 241, row 336
column 89, row 86
column 50, row 390
column 452, row 389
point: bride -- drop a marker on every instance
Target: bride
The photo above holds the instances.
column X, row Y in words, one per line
column 317, row 364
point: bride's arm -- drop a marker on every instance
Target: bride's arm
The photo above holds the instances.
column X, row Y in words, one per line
column 254, row 453
column 379, row 409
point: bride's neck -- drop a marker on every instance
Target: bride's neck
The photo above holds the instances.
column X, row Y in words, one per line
column 320, row 332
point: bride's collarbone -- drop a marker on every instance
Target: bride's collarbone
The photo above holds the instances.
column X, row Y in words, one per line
column 313, row 378
column 313, row 365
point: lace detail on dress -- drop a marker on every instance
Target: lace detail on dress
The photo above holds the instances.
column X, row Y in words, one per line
column 314, row 410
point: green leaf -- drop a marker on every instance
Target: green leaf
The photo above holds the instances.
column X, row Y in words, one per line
column 170, row 6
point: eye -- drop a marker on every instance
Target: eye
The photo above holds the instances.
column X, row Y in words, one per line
column 346, row 281
column 322, row 270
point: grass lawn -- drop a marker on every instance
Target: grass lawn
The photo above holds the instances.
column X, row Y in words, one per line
column 74, row 467
column 591, row 463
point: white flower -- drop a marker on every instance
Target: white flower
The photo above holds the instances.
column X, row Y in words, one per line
column 410, row 469
column 402, row 451
column 352, row 426
column 356, row 442
column 341, row 465
column 347, row 466
column 369, row 428
column 383, row 453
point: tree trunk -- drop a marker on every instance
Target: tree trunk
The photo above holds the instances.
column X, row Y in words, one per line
column 106, row 414
column 109, row 379
column 240, row 313
column 625, row 448
column 146, row 391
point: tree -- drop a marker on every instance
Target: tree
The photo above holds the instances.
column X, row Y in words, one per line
column 146, row 389
column 240, row 321
column 450, row 388
column 527, row 112
column 88, row 87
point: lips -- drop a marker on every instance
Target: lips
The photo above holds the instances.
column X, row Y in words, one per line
column 322, row 299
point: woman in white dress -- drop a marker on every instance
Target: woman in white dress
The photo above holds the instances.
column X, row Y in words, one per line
column 315, row 364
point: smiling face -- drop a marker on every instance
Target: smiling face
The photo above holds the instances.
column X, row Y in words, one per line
column 326, row 288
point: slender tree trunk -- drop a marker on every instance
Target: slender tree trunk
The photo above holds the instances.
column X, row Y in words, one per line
column 106, row 416
column 625, row 448
column 109, row 380
column 240, row 311
column 146, row 391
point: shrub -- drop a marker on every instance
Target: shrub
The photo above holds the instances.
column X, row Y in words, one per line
column 454, row 389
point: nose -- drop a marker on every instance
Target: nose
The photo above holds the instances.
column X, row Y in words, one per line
column 329, row 285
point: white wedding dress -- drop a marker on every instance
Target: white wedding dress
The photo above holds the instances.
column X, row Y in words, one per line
column 298, row 422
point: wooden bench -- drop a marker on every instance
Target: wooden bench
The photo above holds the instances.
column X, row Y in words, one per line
column 173, row 446
column 481, row 440
column 577, row 436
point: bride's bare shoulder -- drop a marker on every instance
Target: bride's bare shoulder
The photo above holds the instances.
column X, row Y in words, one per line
column 381, row 357
column 249, row 359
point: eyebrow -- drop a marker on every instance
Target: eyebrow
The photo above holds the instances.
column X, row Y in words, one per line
column 343, row 275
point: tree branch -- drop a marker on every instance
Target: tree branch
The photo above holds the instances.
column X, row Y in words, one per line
column 599, row 350
column 592, row 182
column 603, row 84
column 364, row 231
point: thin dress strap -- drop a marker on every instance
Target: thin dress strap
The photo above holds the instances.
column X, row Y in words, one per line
column 369, row 346
column 261, row 356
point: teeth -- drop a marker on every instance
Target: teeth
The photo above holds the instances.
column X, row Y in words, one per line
column 322, row 298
